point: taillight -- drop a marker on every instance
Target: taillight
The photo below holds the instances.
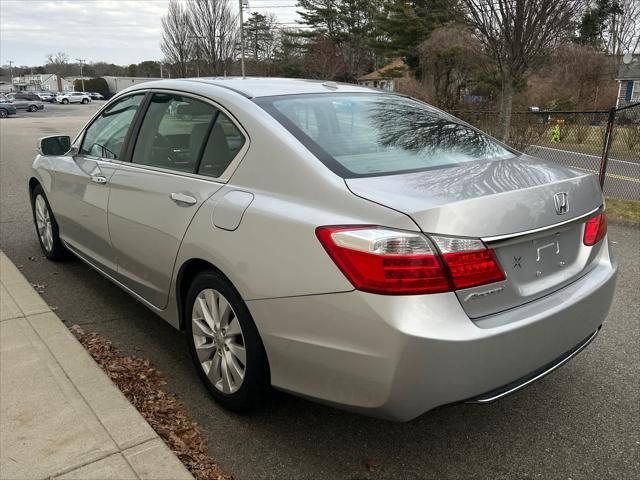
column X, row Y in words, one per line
column 470, row 263
column 595, row 229
column 392, row 262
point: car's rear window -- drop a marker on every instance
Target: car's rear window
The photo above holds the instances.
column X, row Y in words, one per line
column 379, row 134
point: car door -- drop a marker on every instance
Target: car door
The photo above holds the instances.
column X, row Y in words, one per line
column 80, row 192
column 175, row 166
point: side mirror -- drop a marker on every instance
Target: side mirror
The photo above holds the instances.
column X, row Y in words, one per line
column 56, row 145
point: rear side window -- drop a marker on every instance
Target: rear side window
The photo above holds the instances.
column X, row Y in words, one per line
column 359, row 135
column 105, row 136
column 223, row 145
column 173, row 132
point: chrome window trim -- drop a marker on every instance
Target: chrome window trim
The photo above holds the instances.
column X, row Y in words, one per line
column 500, row 238
column 168, row 171
column 226, row 174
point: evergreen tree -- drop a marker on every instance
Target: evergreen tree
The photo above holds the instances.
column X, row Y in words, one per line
column 402, row 25
column 595, row 21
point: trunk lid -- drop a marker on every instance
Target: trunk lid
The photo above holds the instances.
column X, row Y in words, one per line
column 511, row 205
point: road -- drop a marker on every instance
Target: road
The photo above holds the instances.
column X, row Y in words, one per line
column 580, row 422
column 623, row 176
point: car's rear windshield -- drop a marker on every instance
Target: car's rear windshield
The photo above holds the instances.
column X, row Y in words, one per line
column 359, row 135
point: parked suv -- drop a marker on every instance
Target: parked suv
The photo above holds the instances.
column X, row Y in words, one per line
column 45, row 96
column 73, row 97
column 6, row 108
column 28, row 101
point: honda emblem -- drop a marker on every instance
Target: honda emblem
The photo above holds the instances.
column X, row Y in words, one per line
column 561, row 202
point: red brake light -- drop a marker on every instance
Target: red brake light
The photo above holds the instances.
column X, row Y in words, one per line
column 392, row 262
column 470, row 269
column 385, row 261
column 595, row 229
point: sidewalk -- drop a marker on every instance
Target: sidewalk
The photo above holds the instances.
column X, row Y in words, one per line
column 60, row 415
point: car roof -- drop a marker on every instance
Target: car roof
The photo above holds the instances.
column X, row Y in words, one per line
column 253, row 87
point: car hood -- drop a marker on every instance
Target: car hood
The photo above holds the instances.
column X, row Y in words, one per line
column 484, row 199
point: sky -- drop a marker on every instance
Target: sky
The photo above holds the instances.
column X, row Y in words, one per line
column 114, row 31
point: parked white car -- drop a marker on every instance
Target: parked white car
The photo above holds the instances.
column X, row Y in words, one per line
column 73, row 97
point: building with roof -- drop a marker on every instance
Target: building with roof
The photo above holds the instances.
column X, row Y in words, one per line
column 117, row 84
column 41, row 82
column 388, row 77
column 628, row 78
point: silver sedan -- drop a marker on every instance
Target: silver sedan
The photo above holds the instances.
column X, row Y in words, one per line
column 353, row 246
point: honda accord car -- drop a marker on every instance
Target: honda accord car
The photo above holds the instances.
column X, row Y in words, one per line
column 349, row 245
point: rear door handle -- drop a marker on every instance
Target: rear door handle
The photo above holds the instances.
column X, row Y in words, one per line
column 98, row 179
column 182, row 198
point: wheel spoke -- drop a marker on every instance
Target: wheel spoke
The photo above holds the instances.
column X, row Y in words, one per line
column 212, row 301
column 204, row 309
column 224, row 311
column 233, row 328
column 49, row 238
column 201, row 328
column 205, row 351
column 237, row 350
column 237, row 372
column 226, row 377
column 214, row 372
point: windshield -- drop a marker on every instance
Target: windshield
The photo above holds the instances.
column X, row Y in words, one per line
column 376, row 134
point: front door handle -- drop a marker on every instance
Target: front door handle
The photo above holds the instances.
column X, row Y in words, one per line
column 98, row 179
column 182, row 198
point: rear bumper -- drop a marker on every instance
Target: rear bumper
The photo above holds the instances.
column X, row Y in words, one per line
column 513, row 387
column 399, row 356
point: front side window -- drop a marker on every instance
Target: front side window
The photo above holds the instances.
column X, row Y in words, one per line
column 173, row 132
column 376, row 134
column 106, row 135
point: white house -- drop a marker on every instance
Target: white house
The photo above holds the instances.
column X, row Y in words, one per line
column 41, row 81
column 388, row 77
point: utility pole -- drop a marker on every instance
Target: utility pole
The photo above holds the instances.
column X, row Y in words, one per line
column 10, row 62
column 242, row 3
column 81, row 62
column 161, row 76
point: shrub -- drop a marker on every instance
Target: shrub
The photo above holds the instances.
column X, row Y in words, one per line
column 581, row 132
column 631, row 136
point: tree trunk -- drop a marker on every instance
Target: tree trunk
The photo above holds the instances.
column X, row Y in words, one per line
column 506, row 106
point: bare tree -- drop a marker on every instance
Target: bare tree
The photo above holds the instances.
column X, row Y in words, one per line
column 214, row 28
column 323, row 60
column 58, row 63
column 517, row 34
column 449, row 59
column 624, row 28
column 176, row 43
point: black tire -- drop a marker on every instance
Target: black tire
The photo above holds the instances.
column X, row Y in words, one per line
column 58, row 251
column 256, row 383
column 65, row 101
column 4, row 113
column 33, row 108
column 85, row 101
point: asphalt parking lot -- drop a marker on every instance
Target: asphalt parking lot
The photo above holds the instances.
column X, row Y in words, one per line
column 583, row 421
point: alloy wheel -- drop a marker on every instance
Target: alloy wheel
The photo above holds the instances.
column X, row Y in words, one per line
column 218, row 340
column 43, row 223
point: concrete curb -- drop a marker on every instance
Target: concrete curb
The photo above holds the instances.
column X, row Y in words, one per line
column 61, row 416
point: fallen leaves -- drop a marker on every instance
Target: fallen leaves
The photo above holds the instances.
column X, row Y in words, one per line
column 143, row 386
column 372, row 464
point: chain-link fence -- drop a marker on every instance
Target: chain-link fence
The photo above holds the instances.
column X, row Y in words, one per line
column 578, row 140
